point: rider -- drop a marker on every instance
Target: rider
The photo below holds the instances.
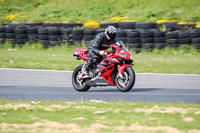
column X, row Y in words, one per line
column 101, row 41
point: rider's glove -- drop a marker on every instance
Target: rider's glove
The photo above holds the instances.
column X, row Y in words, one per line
column 102, row 52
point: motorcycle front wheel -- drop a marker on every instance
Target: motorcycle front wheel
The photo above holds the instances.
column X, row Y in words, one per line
column 79, row 84
column 127, row 81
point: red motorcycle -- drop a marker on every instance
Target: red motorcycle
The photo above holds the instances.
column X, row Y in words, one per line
column 113, row 70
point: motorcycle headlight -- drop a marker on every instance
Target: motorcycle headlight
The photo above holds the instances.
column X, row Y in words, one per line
column 131, row 56
column 123, row 56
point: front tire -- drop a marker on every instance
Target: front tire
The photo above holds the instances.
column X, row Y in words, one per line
column 128, row 81
column 79, row 84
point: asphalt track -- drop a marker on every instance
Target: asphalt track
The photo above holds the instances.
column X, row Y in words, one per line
column 19, row 84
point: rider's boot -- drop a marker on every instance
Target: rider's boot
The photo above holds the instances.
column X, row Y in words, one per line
column 85, row 71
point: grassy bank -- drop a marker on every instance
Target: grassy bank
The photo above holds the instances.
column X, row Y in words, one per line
column 98, row 116
column 102, row 10
column 185, row 60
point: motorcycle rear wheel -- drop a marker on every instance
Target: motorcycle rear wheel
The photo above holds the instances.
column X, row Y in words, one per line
column 128, row 81
column 79, row 84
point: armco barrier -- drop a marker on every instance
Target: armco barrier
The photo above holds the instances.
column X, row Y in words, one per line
column 135, row 35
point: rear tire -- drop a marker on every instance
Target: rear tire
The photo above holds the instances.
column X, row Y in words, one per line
column 79, row 85
column 129, row 77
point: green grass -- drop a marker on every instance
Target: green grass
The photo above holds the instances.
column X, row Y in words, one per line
column 20, row 116
column 102, row 10
column 185, row 60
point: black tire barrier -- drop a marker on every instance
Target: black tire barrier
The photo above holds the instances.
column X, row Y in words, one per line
column 184, row 40
column 134, row 40
column 43, row 31
column 2, row 40
column 195, row 33
column 87, row 43
column 146, row 34
column 66, row 31
column 148, row 45
column 159, row 39
column 196, row 45
column 54, row 43
column 132, row 34
column 127, row 25
column 32, row 30
column 183, row 34
column 135, row 45
column 123, row 39
column 160, row 45
column 10, row 29
column 147, row 40
column 172, row 41
column 2, row 29
column 89, row 32
column 196, row 40
column 2, row 35
column 20, row 30
column 32, row 36
column 77, row 37
column 55, row 38
column 99, row 31
column 21, row 41
column 52, row 24
column 121, row 33
column 54, row 31
column 65, row 37
column 146, row 26
column 43, row 37
column 77, row 42
column 68, row 25
column 168, row 26
column 88, row 37
column 10, row 35
column 21, row 36
column 44, row 42
column 77, row 32
column 159, row 34
column 171, row 35
column 105, row 25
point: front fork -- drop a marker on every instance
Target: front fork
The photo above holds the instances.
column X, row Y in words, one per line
column 122, row 68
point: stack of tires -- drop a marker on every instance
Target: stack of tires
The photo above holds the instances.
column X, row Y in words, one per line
column 88, row 36
column 99, row 31
column 77, row 36
column 32, row 34
column 66, row 35
column 159, row 40
column 195, row 37
column 146, row 26
column 122, row 36
column 133, row 39
column 21, row 35
column 54, row 37
column 43, row 36
column 127, row 25
column 2, row 35
column 10, row 34
column 147, row 39
column 167, row 26
column 172, row 39
column 184, row 37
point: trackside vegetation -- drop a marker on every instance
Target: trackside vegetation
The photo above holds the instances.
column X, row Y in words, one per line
column 102, row 10
column 98, row 116
column 183, row 60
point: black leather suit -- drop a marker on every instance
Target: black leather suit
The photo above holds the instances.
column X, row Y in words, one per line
column 99, row 43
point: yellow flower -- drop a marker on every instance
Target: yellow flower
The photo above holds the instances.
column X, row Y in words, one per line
column 162, row 21
column 136, row 123
column 181, row 22
column 65, row 21
column 98, row 121
column 197, row 26
column 118, row 19
column 92, row 25
column 12, row 17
